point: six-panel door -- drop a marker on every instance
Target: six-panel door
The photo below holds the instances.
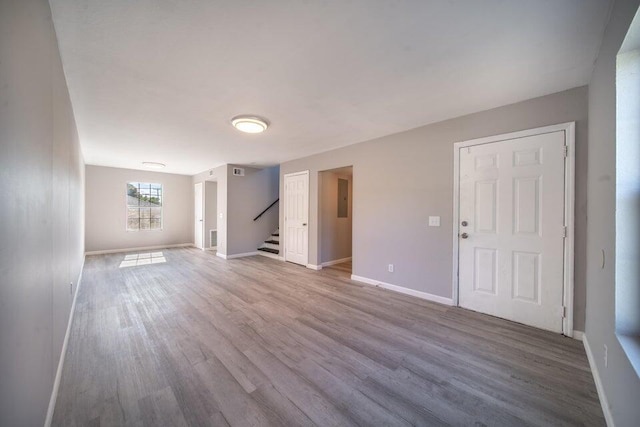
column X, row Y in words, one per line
column 296, row 217
column 511, row 253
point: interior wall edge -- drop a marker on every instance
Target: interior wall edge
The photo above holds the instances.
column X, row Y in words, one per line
column 56, row 383
column 602, row 396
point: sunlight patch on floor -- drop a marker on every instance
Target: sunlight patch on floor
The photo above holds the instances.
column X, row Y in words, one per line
column 134, row 260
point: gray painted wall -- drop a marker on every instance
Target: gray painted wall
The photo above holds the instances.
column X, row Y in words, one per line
column 335, row 233
column 620, row 381
column 247, row 196
column 41, row 214
column 401, row 179
column 210, row 210
column 106, row 212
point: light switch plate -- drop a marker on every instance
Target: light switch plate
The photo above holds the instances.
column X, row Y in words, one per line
column 434, row 221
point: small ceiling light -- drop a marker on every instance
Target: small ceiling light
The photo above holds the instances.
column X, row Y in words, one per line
column 249, row 124
column 154, row 165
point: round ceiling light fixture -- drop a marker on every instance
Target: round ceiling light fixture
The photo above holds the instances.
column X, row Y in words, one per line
column 250, row 124
column 154, row 165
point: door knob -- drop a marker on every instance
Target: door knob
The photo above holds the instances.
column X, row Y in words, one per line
column 465, row 223
column 464, row 235
column 304, row 223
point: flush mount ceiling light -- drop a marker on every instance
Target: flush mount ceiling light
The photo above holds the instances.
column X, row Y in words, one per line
column 250, row 124
column 154, row 165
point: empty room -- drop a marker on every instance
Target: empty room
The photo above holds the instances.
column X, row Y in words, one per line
column 329, row 213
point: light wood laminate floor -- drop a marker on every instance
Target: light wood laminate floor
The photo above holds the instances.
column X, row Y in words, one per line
column 198, row 340
column 345, row 267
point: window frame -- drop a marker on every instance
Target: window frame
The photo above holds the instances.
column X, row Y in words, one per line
column 627, row 186
column 127, row 206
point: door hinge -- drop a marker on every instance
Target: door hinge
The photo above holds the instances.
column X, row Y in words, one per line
column 564, row 231
column 566, row 151
column 564, row 311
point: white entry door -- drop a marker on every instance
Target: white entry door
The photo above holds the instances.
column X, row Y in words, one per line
column 296, row 217
column 511, row 229
column 198, row 231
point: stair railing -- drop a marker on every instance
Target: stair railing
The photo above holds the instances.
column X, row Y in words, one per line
column 269, row 207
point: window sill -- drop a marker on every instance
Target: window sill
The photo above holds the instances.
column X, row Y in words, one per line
column 631, row 346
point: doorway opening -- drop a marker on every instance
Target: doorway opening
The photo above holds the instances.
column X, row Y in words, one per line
column 210, row 215
column 335, row 188
column 205, row 215
column 198, row 215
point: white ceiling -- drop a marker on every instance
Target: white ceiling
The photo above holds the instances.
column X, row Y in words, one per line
column 159, row 80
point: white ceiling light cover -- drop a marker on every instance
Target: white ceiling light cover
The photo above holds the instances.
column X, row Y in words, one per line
column 250, row 124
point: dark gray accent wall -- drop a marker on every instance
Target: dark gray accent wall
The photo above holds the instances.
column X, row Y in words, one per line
column 41, row 210
column 400, row 180
column 619, row 380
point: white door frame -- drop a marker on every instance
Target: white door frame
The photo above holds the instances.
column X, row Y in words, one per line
column 569, row 207
column 284, row 205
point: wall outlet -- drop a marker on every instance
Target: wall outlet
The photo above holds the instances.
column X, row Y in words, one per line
column 434, row 221
column 390, row 268
column 606, row 356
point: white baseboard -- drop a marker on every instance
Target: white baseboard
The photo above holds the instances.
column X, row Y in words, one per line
column 246, row 254
column 211, row 248
column 336, row 261
column 314, row 267
column 63, row 352
column 223, row 256
column 143, row 248
column 578, row 335
column 596, row 378
column 403, row 290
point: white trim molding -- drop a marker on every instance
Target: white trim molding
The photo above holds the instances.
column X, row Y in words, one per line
column 63, row 352
column 336, row 261
column 596, row 378
column 142, row 248
column 569, row 207
column 423, row 295
column 234, row 256
column 314, row 267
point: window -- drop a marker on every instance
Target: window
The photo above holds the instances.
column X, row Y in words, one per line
column 144, row 206
column 627, row 268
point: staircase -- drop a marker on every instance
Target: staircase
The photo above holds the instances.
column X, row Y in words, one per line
column 271, row 247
